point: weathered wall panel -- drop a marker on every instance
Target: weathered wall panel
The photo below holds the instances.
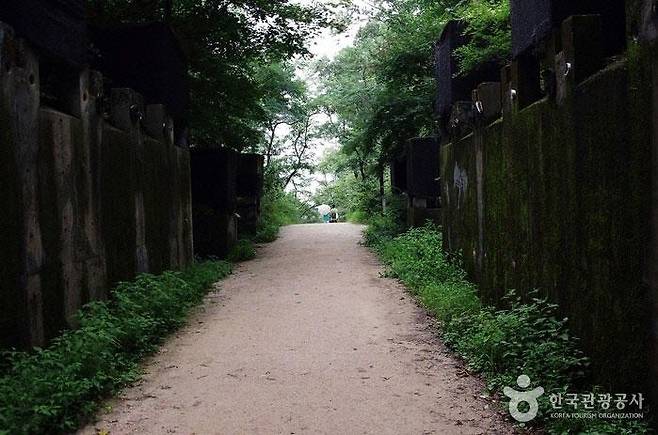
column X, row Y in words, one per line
column 184, row 195
column 156, row 204
column 183, row 220
column 249, row 191
column 422, row 185
column 565, row 209
column 535, row 20
column 398, row 168
column 119, row 208
column 86, row 203
column 214, row 196
column 422, row 155
column 20, row 280
column 61, row 276
column 88, row 155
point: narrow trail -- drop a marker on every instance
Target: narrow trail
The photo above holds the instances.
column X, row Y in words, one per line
column 307, row 338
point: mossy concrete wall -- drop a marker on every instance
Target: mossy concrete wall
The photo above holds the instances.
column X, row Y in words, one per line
column 86, row 202
column 557, row 197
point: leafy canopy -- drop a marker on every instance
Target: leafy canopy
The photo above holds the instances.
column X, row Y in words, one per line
column 227, row 43
column 381, row 91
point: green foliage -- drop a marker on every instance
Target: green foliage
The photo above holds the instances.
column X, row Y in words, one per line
column 381, row 89
column 289, row 130
column 351, row 195
column 227, row 43
column 380, row 230
column 278, row 208
column 384, row 227
column 357, row 217
column 266, row 233
column 416, row 257
column 525, row 338
column 534, row 342
column 281, row 208
column 51, row 390
column 489, row 30
column 242, row 251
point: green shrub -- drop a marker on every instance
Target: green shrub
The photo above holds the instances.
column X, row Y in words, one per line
column 416, row 257
column 525, row 338
column 356, row 198
column 384, row 227
column 278, row 208
column 266, row 233
column 243, row 251
column 489, row 32
column 380, row 230
column 51, row 390
column 357, row 217
column 450, row 300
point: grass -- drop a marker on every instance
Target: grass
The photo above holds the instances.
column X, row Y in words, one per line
column 266, row 233
column 524, row 338
column 53, row 390
column 243, row 251
column 278, row 209
column 357, row 217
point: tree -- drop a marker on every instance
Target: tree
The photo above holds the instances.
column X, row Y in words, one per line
column 227, row 41
column 283, row 102
column 381, row 91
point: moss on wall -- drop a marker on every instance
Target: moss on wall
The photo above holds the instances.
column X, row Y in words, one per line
column 566, row 197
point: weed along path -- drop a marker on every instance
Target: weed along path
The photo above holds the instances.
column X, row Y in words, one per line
column 307, row 338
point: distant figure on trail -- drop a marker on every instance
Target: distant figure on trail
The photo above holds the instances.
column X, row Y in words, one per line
column 325, row 212
column 333, row 216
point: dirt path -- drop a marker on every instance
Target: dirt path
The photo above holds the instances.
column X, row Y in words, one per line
column 307, row 338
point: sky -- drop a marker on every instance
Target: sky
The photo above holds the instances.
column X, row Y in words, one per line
column 327, row 44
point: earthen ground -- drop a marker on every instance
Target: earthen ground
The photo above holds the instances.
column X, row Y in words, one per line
column 306, row 338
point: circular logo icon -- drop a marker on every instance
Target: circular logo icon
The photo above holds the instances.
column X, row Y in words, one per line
column 519, row 397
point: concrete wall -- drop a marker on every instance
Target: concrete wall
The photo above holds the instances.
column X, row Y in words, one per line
column 249, row 191
column 557, row 196
column 87, row 201
column 214, row 195
column 422, row 184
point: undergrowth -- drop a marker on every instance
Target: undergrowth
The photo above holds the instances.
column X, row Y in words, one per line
column 525, row 338
column 243, row 250
column 278, row 208
column 383, row 227
column 53, row 390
